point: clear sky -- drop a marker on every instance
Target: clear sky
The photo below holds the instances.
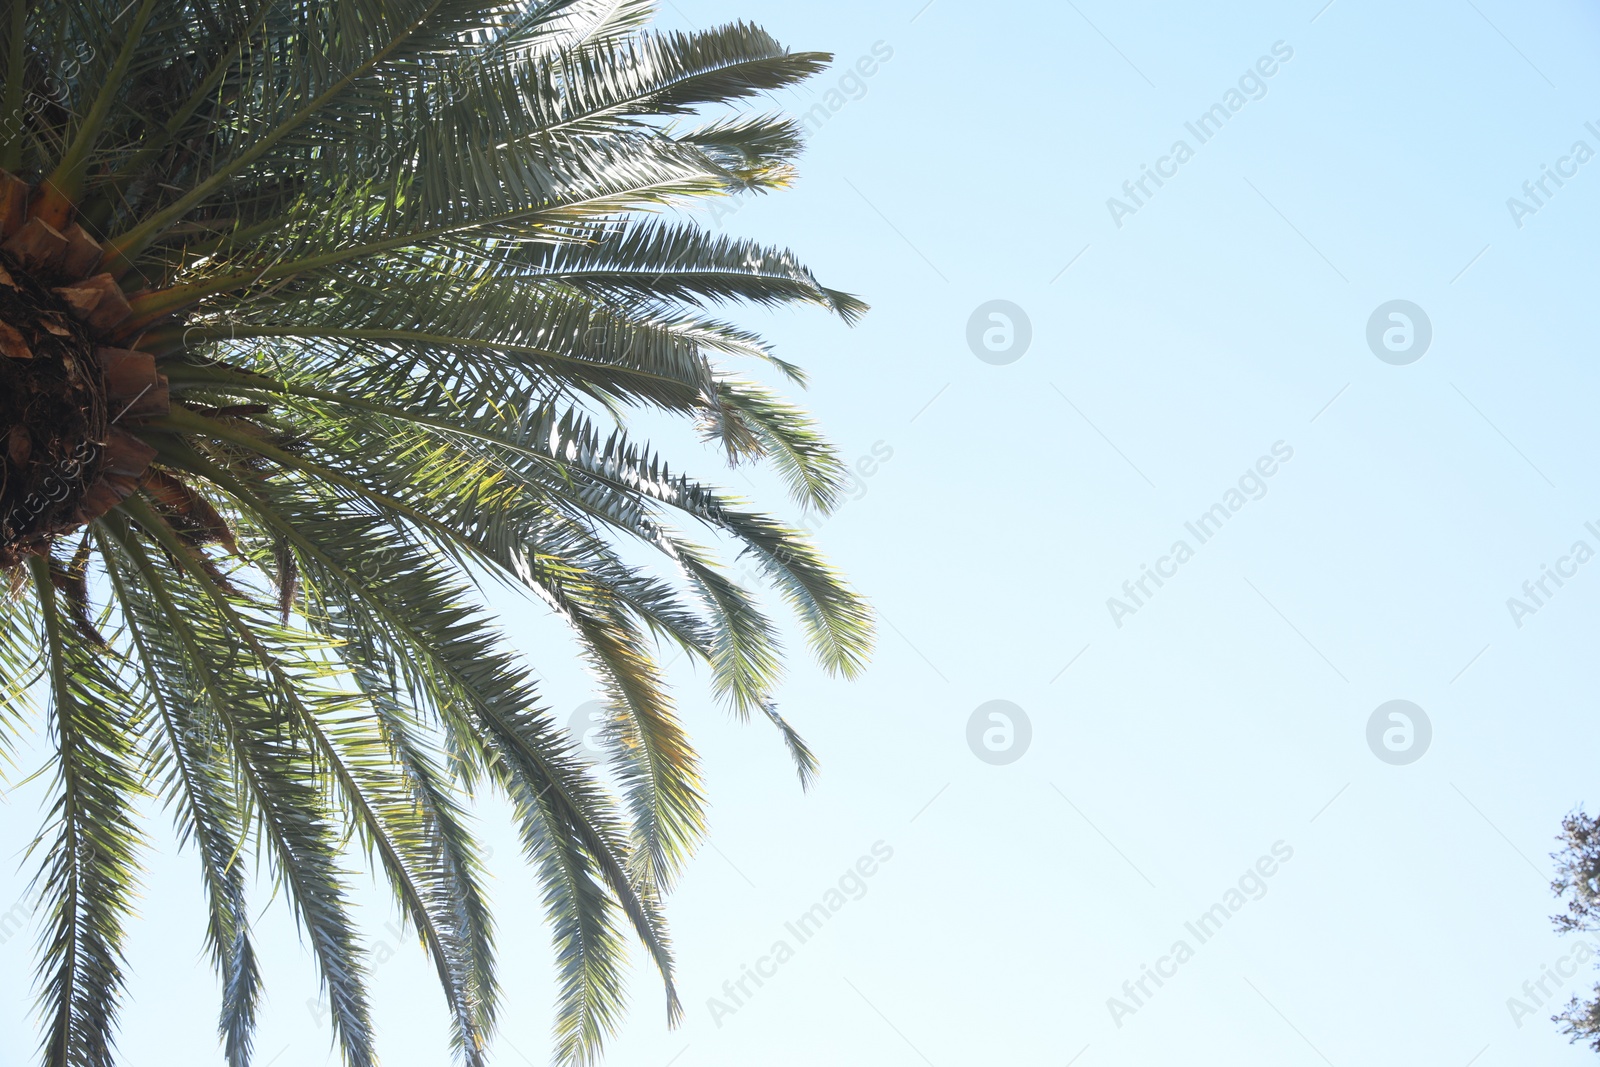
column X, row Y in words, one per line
column 1203, row 341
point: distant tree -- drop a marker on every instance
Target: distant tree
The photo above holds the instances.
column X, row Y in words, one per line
column 1577, row 881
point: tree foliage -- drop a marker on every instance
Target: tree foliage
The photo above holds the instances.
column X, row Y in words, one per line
column 1577, row 881
column 404, row 271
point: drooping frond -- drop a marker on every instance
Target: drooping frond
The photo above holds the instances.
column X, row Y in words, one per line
column 88, row 877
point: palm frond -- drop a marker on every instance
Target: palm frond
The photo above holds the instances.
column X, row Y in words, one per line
column 88, row 879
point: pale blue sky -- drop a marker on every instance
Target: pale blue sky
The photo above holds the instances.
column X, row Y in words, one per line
column 1230, row 711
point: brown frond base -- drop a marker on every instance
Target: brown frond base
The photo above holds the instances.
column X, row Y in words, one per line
column 70, row 406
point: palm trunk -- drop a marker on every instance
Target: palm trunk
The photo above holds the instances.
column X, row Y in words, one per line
column 69, row 405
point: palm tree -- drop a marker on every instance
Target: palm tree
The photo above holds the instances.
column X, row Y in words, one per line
column 317, row 316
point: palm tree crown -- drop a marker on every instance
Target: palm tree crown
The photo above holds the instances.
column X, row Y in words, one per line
column 314, row 316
